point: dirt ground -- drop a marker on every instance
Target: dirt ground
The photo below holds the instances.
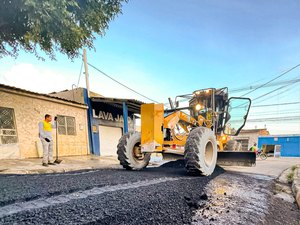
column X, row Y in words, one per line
column 234, row 198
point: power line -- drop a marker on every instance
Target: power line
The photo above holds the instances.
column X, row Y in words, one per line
column 282, row 74
column 240, row 89
column 273, row 113
column 285, row 103
column 288, row 83
column 277, row 94
column 277, row 111
column 274, row 119
column 272, row 91
column 121, row 83
column 284, row 86
column 270, row 119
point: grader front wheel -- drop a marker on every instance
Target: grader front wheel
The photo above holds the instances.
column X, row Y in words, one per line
column 200, row 153
column 129, row 152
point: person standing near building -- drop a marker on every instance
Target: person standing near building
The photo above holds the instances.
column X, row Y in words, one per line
column 254, row 149
column 45, row 134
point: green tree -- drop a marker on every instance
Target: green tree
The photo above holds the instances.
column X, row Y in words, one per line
column 53, row 25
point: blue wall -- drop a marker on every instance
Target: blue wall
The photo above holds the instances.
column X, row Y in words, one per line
column 94, row 141
column 290, row 145
column 92, row 137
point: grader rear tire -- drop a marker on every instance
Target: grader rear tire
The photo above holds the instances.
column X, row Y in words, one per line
column 200, row 153
column 129, row 154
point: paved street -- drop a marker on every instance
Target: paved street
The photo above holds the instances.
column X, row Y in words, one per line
column 161, row 195
column 154, row 196
column 126, row 112
column 272, row 167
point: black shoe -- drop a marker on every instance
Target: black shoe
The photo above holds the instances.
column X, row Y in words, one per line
column 50, row 163
column 45, row 164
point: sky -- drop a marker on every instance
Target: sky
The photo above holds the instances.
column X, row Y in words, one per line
column 164, row 48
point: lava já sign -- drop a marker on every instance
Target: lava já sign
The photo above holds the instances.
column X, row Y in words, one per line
column 109, row 116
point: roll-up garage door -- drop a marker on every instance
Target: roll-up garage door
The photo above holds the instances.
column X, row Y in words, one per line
column 109, row 138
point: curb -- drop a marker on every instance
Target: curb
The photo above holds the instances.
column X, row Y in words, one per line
column 43, row 171
column 55, row 170
column 296, row 185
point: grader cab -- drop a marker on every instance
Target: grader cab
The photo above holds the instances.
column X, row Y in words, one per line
column 196, row 127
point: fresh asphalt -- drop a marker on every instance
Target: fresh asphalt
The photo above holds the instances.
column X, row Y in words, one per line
column 160, row 195
column 163, row 195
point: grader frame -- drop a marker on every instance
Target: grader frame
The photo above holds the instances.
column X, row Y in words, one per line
column 198, row 131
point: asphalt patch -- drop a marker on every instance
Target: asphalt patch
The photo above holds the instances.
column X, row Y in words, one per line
column 174, row 164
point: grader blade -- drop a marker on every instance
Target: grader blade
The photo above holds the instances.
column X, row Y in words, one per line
column 229, row 158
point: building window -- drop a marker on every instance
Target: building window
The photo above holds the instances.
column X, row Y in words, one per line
column 66, row 125
column 8, row 129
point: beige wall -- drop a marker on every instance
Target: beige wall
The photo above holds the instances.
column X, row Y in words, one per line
column 30, row 110
column 251, row 137
column 76, row 95
column 73, row 95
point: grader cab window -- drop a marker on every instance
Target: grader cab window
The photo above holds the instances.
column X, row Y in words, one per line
column 236, row 115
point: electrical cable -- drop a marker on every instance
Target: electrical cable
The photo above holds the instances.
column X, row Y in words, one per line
column 278, row 94
column 271, row 92
column 285, row 103
column 252, row 100
column 120, row 83
column 274, row 119
column 245, row 88
column 274, row 113
column 282, row 74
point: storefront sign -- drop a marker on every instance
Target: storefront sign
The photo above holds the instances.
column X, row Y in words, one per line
column 110, row 117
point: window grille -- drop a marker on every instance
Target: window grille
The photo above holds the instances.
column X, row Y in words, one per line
column 8, row 130
column 66, row 125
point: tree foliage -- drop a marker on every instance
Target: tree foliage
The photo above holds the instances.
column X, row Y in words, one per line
column 53, row 25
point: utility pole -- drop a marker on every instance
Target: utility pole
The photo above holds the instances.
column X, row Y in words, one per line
column 86, row 73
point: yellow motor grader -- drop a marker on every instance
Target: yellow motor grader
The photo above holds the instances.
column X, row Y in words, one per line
column 195, row 127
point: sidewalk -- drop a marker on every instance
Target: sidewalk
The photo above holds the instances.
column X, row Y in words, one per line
column 275, row 168
column 70, row 163
column 272, row 167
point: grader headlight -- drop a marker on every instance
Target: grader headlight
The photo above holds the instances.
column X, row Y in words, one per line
column 198, row 107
